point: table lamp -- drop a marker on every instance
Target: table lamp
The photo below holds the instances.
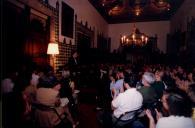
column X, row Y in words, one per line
column 53, row 50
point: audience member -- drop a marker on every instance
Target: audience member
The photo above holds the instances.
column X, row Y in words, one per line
column 112, row 83
column 159, row 86
column 48, row 94
column 118, row 86
column 148, row 93
column 178, row 105
column 7, row 84
column 191, row 94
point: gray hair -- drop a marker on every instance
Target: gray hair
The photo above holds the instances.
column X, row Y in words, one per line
column 149, row 77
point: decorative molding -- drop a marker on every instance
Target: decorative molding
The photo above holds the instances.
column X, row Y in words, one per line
column 47, row 5
column 38, row 13
column 85, row 30
column 17, row 3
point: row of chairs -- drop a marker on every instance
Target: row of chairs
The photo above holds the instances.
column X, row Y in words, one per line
column 126, row 119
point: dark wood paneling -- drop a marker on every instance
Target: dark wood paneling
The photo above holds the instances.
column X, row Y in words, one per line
column 67, row 20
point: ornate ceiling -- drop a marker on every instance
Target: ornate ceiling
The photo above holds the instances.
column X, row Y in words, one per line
column 122, row 11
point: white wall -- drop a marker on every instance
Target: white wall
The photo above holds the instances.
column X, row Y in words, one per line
column 161, row 28
column 85, row 12
column 179, row 20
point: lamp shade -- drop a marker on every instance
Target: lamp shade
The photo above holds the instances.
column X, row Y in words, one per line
column 52, row 49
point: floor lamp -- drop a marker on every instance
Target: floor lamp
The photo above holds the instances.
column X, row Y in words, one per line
column 53, row 50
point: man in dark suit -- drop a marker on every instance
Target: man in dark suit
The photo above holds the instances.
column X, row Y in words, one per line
column 73, row 63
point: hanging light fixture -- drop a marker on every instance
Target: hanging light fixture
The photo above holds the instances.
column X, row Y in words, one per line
column 162, row 4
column 135, row 38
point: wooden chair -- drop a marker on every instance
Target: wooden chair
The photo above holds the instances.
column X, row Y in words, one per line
column 43, row 113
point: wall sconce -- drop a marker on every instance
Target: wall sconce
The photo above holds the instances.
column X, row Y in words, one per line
column 53, row 50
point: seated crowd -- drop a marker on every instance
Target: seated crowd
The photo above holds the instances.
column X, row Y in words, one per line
column 165, row 94
column 24, row 92
column 154, row 83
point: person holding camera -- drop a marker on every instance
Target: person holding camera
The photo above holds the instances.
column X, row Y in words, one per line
column 178, row 106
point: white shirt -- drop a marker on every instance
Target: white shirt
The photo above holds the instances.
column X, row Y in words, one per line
column 175, row 122
column 129, row 100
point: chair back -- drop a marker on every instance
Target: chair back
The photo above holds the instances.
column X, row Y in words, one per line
column 42, row 107
column 46, row 116
column 127, row 117
column 130, row 115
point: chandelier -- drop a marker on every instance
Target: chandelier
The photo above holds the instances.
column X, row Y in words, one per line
column 162, row 4
column 135, row 38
